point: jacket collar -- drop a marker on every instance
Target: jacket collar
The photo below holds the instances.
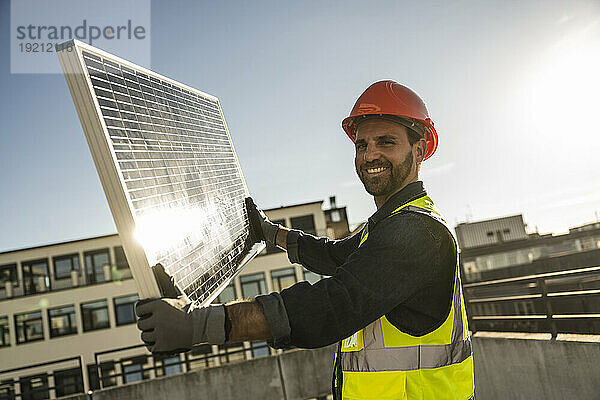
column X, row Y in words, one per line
column 408, row 193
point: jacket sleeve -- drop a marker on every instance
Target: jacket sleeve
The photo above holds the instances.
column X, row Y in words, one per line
column 319, row 254
column 393, row 265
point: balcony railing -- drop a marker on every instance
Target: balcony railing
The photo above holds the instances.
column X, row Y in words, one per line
column 46, row 284
column 113, row 367
column 38, row 383
column 203, row 356
column 555, row 302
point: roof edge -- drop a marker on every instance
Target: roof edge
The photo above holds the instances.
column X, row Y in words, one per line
column 58, row 243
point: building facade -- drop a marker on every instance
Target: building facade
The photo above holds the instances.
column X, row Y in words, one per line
column 67, row 323
column 502, row 247
column 527, row 282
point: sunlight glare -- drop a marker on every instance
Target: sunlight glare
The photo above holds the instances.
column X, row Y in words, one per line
column 563, row 96
column 175, row 230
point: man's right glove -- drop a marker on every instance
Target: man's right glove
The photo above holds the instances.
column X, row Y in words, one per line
column 260, row 226
column 168, row 326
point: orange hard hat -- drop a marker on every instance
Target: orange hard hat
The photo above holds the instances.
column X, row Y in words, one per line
column 393, row 99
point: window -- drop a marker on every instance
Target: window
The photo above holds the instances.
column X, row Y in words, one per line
column 470, row 267
column 8, row 273
column 167, row 366
column 62, row 321
column 259, row 349
column 120, row 258
column 35, row 276
column 63, row 265
column 283, row 278
column 335, row 216
column 107, row 372
column 68, row 381
column 124, row 312
column 305, row 223
column 483, row 263
column 95, row 315
column 227, row 295
column 311, row 277
column 200, row 357
column 133, row 369
column 271, row 248
column 489, row 233
column 94, row 265
column 121, row 269
column 231, row 352
column 253, row 285
column 29, row 327
column 92, row 373
column 4, row 332
column 7, row 389
column 34, row 387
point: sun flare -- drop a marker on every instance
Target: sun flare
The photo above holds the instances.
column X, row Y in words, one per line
column 564, row 94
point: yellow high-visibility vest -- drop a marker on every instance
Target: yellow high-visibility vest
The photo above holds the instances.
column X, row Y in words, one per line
column 382, row 362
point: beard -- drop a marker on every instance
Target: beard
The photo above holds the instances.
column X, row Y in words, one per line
column 391, row 180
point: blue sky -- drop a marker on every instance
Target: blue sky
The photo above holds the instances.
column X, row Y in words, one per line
column 511, row 86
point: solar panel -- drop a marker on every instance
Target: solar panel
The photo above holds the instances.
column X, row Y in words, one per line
column 168, row 169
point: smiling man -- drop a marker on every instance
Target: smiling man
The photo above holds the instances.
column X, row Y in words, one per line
column 385, row 157
column 393, row 297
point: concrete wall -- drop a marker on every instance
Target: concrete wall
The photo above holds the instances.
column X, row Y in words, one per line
column 298, row 374
column 301, row 382
column 255, row 379
column 536, row 369
column 505, row 368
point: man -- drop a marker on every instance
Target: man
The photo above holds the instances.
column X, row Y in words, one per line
column 393, row 299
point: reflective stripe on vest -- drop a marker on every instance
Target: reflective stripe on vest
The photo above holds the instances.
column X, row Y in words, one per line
column 382, row 362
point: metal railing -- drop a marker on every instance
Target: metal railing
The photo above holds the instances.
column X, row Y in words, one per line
column 555, row 302
column 8, row 389
column 12, row 290
column 150, row 366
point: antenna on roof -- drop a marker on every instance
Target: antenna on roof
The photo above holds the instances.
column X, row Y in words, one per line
column 332, row 203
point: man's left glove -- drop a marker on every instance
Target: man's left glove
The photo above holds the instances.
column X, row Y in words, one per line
column 260, row 226
column 167, row 327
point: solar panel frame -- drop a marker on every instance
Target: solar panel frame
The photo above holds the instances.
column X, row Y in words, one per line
column 84, row 88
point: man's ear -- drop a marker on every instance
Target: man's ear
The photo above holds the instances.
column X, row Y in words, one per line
column 420, row 149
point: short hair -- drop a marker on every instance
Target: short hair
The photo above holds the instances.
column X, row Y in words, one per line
column 413, row 136
column 416, row 131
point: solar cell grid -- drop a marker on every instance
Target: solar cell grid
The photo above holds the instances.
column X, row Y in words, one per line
column 178, row 168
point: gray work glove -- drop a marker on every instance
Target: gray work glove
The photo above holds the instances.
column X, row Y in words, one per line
column 260, row 226
column 167, row 325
